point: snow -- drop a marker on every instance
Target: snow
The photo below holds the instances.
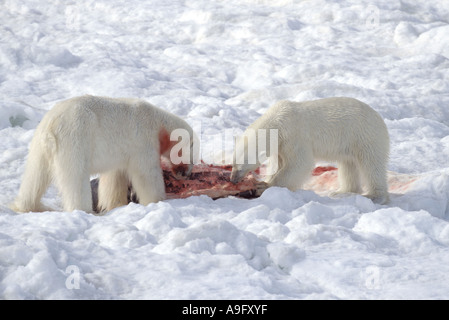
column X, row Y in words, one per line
column 220, row 65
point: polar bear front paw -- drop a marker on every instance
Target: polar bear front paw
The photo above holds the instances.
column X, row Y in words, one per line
column 378, row 198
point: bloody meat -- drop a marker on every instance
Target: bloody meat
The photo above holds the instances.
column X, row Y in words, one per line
column 210, row 180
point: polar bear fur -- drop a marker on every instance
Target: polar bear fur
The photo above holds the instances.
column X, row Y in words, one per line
column 344, row 130
column 121, row 139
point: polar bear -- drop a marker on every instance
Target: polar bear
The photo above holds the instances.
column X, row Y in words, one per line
column 339, row 129
column 121, row 139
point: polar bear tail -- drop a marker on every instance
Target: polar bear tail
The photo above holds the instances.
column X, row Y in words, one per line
column 37, row 176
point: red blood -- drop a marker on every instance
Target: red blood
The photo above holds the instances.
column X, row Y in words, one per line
column 164, row 141
column 320, row 170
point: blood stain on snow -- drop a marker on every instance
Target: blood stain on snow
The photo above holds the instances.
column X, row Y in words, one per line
column 324, row 178
column 320, row 170
column 400, row 183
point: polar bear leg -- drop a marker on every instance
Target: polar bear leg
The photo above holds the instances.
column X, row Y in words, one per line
column 375, row 177
column 146, row 177
column 348, row 177
column 35, row 181
column 294, row 170
column 71, row 172
column 112, row 190
column 75, row 189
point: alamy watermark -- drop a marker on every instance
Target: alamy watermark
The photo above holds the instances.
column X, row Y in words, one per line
column 372, row 277
column 372, row 17
column 254, row 147
column 73, row 17
column 73, row 277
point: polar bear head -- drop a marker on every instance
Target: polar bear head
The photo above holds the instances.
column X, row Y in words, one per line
column 180, row 147
column 255, row 148
column 245, row 156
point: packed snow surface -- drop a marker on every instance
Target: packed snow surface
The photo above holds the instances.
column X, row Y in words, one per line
column 220, row 65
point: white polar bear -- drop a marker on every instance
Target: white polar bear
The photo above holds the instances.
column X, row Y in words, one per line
column 122, row 139
column 344, row 130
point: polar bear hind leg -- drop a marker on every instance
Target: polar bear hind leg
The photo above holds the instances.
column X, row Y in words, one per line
column 374, row 173
column 112, row 190
column 371, row 172
column 36, row 180
column 73, row 178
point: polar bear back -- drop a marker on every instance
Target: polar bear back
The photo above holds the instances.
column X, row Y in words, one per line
column 134, row 115
column 112, row 128
column 333, row 127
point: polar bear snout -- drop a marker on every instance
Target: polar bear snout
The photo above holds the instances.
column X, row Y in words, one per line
column 182, row 171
